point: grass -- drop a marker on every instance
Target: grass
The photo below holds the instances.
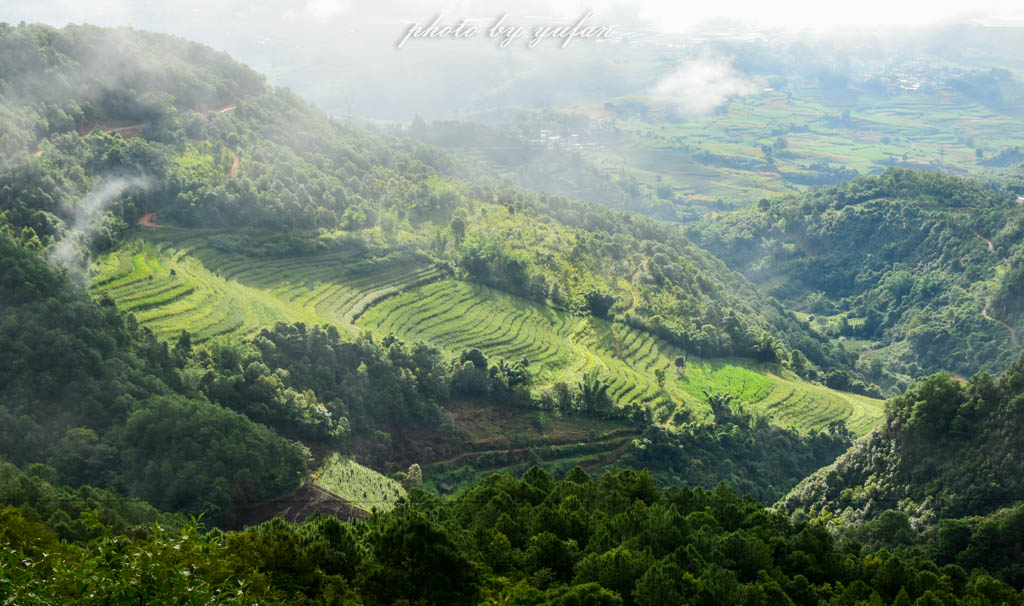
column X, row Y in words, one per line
column 359, row 485
column 177, row 279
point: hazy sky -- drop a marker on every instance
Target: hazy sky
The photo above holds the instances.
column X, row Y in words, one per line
column 666, row 15
column 341, row 53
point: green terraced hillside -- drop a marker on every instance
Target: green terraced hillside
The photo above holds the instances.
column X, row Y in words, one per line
column 560, row 347
column 176, row 279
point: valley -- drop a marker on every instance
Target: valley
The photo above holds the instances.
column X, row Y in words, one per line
column 750, row 339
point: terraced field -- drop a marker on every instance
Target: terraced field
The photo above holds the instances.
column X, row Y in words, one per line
column 167, row 290
column 359, row 485
column 455, row 315
column 176, row 279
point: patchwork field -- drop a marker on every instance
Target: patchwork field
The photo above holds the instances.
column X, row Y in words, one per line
column 177, row 279
column 720, row 157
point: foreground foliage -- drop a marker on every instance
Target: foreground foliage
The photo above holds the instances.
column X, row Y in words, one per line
column 615, row 540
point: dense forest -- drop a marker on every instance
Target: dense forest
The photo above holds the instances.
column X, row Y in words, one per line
column 611, row 540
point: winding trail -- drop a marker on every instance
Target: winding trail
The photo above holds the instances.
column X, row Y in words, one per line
column 632, row 289
column 636, row 299
column 992, row 248
column 984, row 311
column 1013, row 333
column 234, row 165
column 128, row 130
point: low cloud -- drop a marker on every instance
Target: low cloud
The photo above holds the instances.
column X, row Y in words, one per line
column 699, row 86
column 85, row 217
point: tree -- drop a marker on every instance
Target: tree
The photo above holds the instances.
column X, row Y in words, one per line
column 797, row 361
column 407, row 554
column 658, row 586
column 720, row 404
column 458, row 227
column 598, row 303
column 764, row 347
column 659, row 376
column 680, row 363
column 476, row 357
column 547, row 551
column 184, row 345
column 593, row 393
column 414, row 477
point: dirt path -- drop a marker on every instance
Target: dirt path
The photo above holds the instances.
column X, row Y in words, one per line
column 225, row 109
column 1013, row 333
column 992, row 248
column 618, row 342
column 632, row 289
column 234, row 165
column 132, row 130
column 146, row 221
column 984, row 312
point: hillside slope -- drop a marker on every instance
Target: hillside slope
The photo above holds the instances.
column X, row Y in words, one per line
column 945, row 450
column 916, row 270
column 282, row 181
column 257, row 237
column 176, row 279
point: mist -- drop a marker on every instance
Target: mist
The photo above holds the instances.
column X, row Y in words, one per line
column 701, row 85
column 341, row 54
column 85, row 217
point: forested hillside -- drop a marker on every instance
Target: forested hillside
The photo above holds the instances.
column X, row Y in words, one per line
column 914, row 270
column 101, row 401
column 946, row 450
column 214, row 428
